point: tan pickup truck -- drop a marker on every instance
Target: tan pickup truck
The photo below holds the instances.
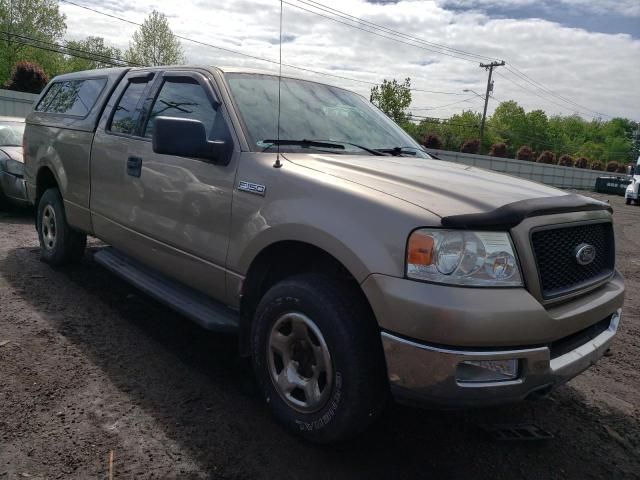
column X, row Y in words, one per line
column 351, row 265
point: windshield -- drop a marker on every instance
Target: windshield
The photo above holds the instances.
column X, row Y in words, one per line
column 314, row 112
column 11, row 134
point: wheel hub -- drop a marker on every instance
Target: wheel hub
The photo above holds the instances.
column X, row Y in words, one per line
column 300, row 363
column 48, row 227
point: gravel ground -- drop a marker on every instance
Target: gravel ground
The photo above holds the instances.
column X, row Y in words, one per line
column 89, row 366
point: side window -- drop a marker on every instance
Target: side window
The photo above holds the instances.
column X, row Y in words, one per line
column 184, row 98
column 73, row 97
column 125, row 117
column 50, row 95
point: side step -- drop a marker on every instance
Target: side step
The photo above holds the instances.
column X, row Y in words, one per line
column 203, row 310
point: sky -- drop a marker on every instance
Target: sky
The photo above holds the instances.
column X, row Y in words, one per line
column 562, row 56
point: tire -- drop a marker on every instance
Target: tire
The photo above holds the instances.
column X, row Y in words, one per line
column 354, row 389
column 59, row 243
column 628, row 201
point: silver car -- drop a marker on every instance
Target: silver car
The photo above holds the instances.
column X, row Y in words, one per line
column 12, row 186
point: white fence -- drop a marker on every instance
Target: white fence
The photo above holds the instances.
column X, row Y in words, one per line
column 16, row 104
column 554, row 175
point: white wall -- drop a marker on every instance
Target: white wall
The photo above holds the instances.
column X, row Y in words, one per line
column 554, row 175
column 16, row 104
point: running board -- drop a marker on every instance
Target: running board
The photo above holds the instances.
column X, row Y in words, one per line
column 203, row 310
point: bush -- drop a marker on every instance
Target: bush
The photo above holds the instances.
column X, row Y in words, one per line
column 566, row 161
column 547, row 157
column 612, row 166
column 498, row 150
column 525, row 153
column 596, row 165
column 434, row 141
column 622, row 169
column 27, row 77
column 582, row 162
column 471, row 146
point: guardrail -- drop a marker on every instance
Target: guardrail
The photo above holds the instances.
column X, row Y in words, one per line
column 554, row 175
column 16, row 104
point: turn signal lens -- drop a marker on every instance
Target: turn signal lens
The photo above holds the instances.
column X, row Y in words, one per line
column 462, row 258
column 420, row 249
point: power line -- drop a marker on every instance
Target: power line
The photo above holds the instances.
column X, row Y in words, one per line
column 379, row 34
column 444, row 106
column 66, row 50
column 538, row 85
column 254, row 57
column 563, row 107
column 515, row 71
column 376, row 26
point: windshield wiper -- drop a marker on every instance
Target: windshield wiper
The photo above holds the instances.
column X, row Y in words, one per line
column 336, row 144
column 397, row 151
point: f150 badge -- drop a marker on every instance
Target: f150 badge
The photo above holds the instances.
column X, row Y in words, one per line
column 252, row 187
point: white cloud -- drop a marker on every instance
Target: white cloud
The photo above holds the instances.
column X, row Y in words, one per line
column 599, row 71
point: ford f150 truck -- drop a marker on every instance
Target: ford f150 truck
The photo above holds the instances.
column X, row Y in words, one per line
column 351, row 265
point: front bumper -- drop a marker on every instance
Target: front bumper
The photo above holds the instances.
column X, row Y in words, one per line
column 427, row 374
column 14, row 188
column 631, row 194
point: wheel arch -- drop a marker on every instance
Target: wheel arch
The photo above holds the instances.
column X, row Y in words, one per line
column 45, row 178
column 282, row 259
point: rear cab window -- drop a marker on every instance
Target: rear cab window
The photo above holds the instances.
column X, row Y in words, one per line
column 126, row 115
column 72, row 97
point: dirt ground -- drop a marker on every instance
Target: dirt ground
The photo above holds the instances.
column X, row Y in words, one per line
column 89, row 366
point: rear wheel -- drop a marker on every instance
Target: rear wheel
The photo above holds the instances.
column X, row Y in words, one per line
column 318, row 358
column 59, row 243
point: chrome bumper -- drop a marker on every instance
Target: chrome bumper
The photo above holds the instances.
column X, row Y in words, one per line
column 425, row 374
column 14, row 188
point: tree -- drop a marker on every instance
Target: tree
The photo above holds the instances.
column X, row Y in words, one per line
column 154, row 43
column 509, row 124
column 25, row 21
column 98, row 55
column 393, row 98
column 27, row 77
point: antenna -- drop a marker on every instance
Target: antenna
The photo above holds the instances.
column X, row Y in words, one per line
column 278, row 164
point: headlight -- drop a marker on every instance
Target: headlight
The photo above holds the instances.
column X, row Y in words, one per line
column 13, row 167
column 483, row 259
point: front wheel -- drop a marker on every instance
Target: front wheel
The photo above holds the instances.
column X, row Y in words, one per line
column 318, row 358
column 628, row 201
column 59, row 243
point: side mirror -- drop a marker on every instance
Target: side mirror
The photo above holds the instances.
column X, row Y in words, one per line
column 186, row 137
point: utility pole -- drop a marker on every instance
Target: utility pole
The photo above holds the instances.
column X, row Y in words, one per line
column 490, row 67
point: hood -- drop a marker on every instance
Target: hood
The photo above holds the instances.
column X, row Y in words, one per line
column 13, row 152
column 443, row 188
column 462, row 196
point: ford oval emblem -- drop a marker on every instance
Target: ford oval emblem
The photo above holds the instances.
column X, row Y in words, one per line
column 585, row 254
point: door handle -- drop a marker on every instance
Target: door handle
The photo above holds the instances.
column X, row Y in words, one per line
column 134, row 166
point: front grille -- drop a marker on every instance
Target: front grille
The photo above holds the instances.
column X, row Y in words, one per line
column 555, row 253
